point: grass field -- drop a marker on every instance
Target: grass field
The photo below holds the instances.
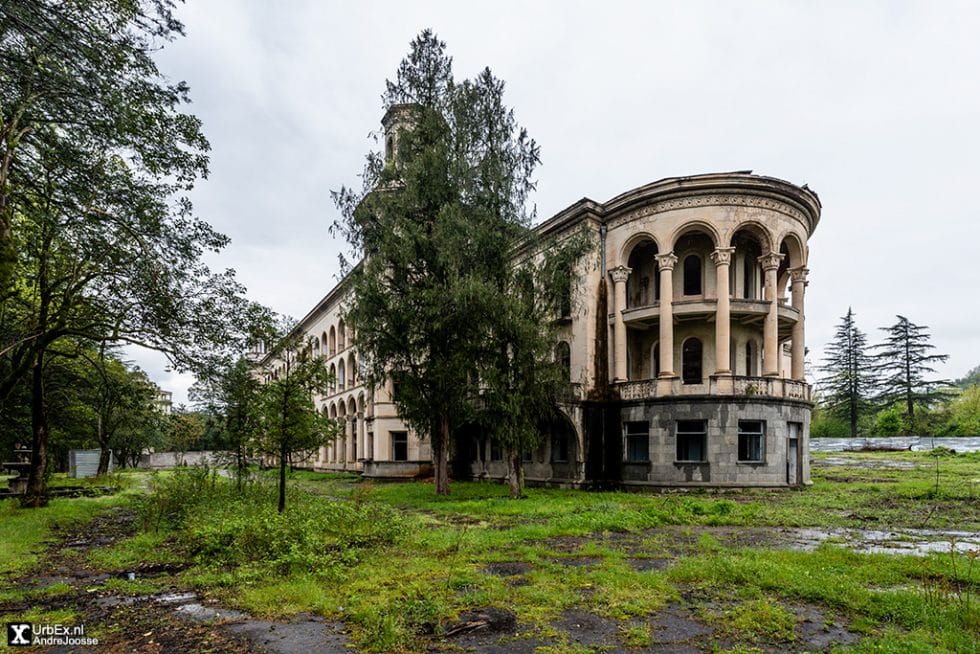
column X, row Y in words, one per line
column 398, row 564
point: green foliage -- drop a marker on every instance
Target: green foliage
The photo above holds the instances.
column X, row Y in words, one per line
column 903, row 361
column 223, row 526
column 435, row 225
column 849, row 379
column 963, row 418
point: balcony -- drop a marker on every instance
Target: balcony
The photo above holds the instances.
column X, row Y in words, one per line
column 734, row 386
column 742, row 310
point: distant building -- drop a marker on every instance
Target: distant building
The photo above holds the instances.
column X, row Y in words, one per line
column 684, row 349
column 163, row 401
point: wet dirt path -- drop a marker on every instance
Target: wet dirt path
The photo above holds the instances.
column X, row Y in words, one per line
column 173, row 620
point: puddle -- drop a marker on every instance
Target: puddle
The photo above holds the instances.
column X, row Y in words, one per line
column 870, row 464
column 175, row 598
column 200, row 613
column 917, row 542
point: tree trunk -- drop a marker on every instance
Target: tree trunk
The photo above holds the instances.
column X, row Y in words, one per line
column 283, row 455
column 35, row 494
column 103, row 450
column 441, row 456
column 515, row 474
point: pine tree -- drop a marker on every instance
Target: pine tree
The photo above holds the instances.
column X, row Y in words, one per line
column 435, row 224
column 902, row 362
column 849, row 373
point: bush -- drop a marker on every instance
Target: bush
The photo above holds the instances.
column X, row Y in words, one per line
column 223, row 526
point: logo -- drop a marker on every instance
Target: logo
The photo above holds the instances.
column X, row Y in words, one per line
column 19, row 634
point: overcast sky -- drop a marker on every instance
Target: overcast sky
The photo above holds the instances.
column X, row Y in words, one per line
column 876, row 106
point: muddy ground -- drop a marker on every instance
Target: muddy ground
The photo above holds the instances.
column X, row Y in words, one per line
column 179, row 620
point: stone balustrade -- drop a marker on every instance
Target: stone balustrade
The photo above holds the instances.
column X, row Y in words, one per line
column 716, row 385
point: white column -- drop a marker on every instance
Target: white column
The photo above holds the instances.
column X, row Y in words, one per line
column 619, row 276
column 723, row 327
column 667, row 263
column 798, row 275
column 770, row 264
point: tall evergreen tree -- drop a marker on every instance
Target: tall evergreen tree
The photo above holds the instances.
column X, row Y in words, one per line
column 849, row 379
column 435, row 224
column 904, row 360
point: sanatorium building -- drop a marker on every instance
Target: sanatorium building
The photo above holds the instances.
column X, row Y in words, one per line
column 684, row 349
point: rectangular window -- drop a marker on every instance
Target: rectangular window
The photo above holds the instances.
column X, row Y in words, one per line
column 751, row 440
column 692, row 439
column 527, row 456
column 399, row 446
column 637, row 442
column 559, row 448
column 496, row 452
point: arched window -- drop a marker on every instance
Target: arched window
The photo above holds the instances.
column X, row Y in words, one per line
column 563, row 355
column 341, row 376
column 341, row 336
column 332, row 348
column 333, row 378
column 351, row 368
column 692, row 275
column 691, row 359
column 655, row 360
column 389, row 147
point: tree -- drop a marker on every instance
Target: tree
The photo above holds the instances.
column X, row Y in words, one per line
column 96, row 158
column 231, row 396
column 849, row 379
column 121, row 400
column 972, row 378
column 290, row 424
column 435, row 223
column 902, row 363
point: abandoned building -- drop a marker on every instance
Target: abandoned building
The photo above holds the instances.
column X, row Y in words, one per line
column 685, row 348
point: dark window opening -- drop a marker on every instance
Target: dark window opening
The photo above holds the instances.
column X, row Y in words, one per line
column 691, row 359
column 527, row 456
column 389, row 148
column 655, row 363
column 692, row 437
column 751, row 440
column 692, row 275
column 637, row 442
column 751, row 369
column 399, row 446
column 496, row 452
column 564, row 357
column 559, row 448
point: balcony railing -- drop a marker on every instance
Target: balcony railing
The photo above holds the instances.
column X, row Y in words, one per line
column 716, row 385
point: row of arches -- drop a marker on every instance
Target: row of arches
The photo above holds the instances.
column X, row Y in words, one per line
column 343, row 373
column 332, row 341
column 760, row 233
column 694, row 251
column 353, row 442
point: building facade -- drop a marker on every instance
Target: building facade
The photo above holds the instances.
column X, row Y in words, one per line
column 684, row 347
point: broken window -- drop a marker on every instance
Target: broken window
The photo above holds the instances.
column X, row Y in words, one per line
column 692, row 437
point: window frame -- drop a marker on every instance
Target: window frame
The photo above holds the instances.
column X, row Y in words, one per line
column 686, row 435
column 399, row 438
column 637, row 431
column 760, row 436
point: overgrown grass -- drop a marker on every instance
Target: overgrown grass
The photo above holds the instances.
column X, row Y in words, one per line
column 399, row 564
column 24, row 531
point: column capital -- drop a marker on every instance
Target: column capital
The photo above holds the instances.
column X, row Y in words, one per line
column 799, row 274
column 620, row 274
column 667, row 261
column 771, row 261
column 722, row 256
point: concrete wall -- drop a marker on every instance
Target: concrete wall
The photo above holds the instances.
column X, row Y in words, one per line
column 163, row 460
